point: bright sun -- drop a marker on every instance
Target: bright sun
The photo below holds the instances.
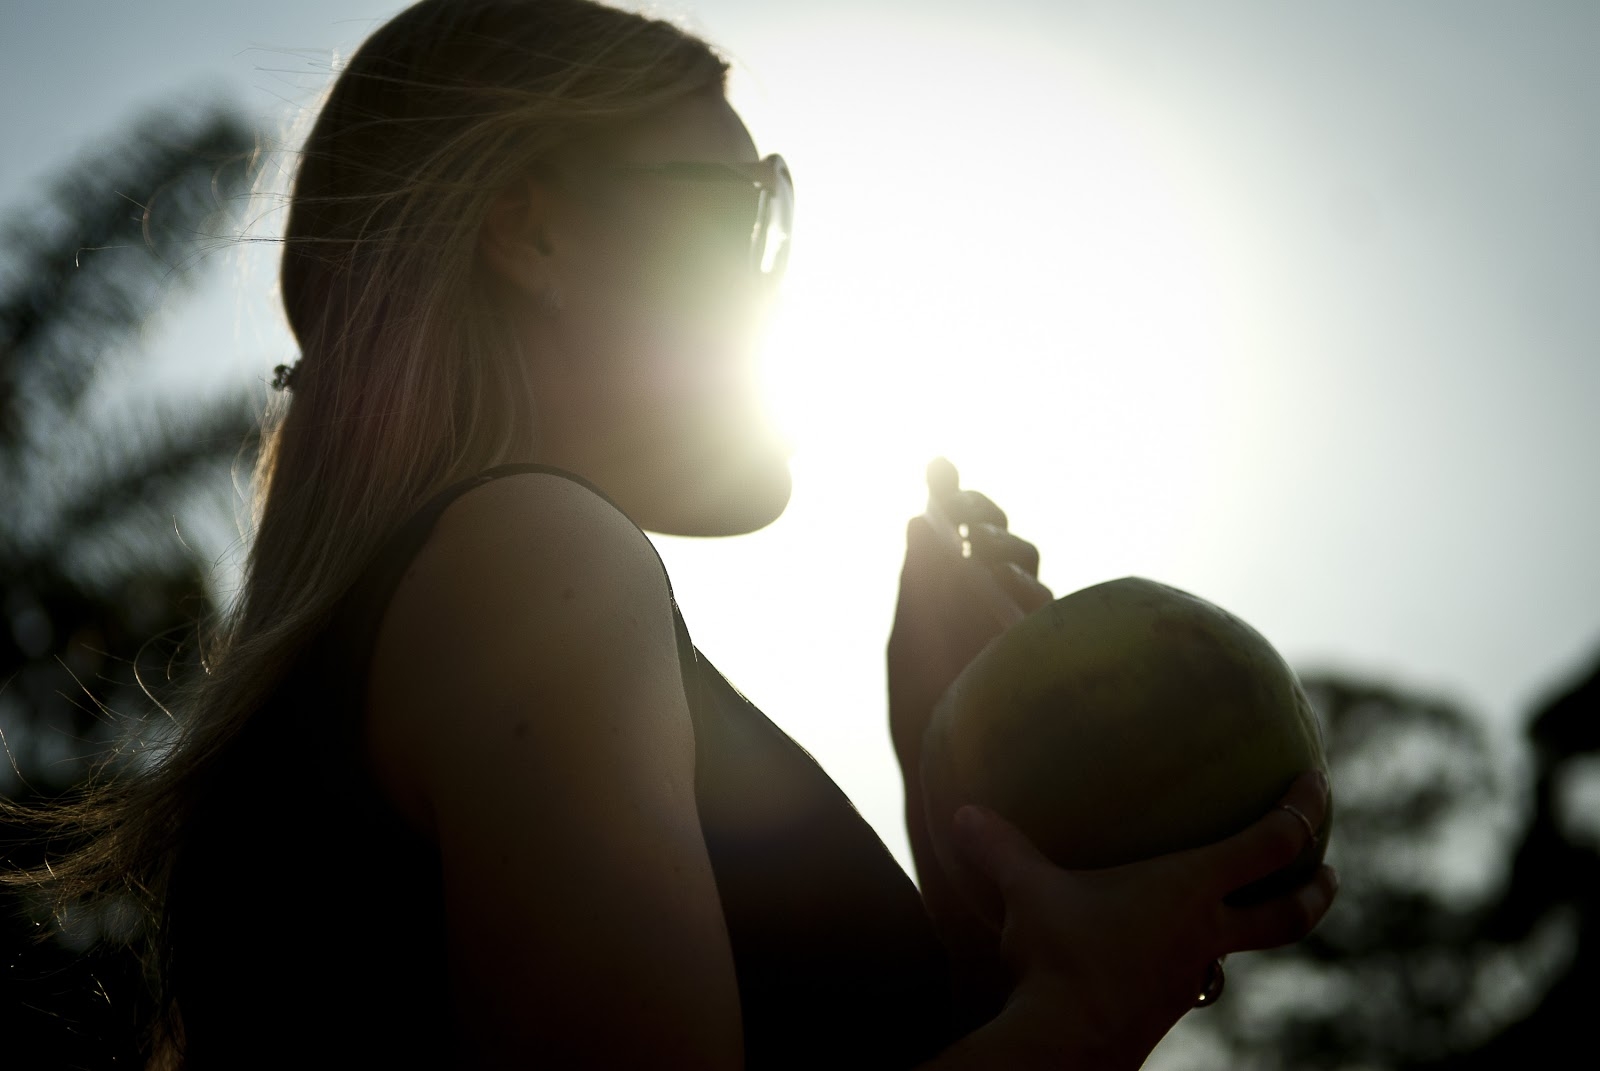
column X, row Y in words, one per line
column 992, row 268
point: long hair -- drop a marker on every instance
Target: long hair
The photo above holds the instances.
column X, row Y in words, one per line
column 406, row 379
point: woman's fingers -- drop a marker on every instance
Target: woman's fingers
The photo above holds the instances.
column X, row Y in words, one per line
column 996, row 847
column 1283, row 919
column 1014, row 562
column 973, row 508
column 1022, row 589
column 1273, row 841
column 943, row 479
column 963, row 507
column 993, row 543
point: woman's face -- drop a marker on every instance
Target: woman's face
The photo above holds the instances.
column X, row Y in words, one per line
column 647, row 374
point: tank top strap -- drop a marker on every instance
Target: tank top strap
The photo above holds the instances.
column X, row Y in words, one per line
column 360, row 612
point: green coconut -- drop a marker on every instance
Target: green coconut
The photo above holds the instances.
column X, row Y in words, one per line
column 1121, row 722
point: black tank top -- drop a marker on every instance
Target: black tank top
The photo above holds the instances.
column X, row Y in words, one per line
column 307, row 922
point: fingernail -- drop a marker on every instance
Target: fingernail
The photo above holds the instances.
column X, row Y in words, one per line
column 1333, row 879
column 1321, row 780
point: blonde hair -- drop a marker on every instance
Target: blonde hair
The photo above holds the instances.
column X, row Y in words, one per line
column 406, row 381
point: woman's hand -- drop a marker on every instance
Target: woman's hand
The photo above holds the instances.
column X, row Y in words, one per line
column 1106, row 961
column 949, row 606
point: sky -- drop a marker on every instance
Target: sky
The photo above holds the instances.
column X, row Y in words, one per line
column 1292, row 306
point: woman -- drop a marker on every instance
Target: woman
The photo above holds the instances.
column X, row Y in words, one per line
column 457, row 788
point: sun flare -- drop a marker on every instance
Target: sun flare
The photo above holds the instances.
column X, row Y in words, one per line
column 1035, row 304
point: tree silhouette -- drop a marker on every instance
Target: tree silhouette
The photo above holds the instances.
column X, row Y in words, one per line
column 1414, row 969
column 1555, row 880
column 98, row 598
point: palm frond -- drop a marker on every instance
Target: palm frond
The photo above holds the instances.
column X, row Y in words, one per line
column 126, row 479
column 81, row 268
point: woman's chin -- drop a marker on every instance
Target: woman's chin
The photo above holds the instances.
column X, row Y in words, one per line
column 739, row 495
column 722, row 494
column 767, row 495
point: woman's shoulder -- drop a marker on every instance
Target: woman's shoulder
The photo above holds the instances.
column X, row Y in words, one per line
column 534, row 533
column 526, row 689
column 536, row 522
column 527, row 589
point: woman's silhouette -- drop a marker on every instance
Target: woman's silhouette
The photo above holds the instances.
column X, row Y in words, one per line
column 457, row 788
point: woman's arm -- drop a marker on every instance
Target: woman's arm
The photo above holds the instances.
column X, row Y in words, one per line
column 1108, row 960
column 527, row 709
column 949, row 607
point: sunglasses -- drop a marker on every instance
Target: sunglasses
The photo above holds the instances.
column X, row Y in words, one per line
column 769, row 214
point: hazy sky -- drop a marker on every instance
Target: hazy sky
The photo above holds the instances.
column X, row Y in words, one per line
column 1294, row 306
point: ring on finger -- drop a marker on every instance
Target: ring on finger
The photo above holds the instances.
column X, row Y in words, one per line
column 1311, row 832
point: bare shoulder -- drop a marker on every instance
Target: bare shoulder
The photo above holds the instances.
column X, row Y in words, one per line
column 535, row 546
column 527, row 585
column 526, row 710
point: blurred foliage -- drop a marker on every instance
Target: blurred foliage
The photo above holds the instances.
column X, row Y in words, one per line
column 98, row 597
column 1426, row 963
column 79, row 266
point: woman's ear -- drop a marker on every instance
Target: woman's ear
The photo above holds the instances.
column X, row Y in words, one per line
column 515, row 238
